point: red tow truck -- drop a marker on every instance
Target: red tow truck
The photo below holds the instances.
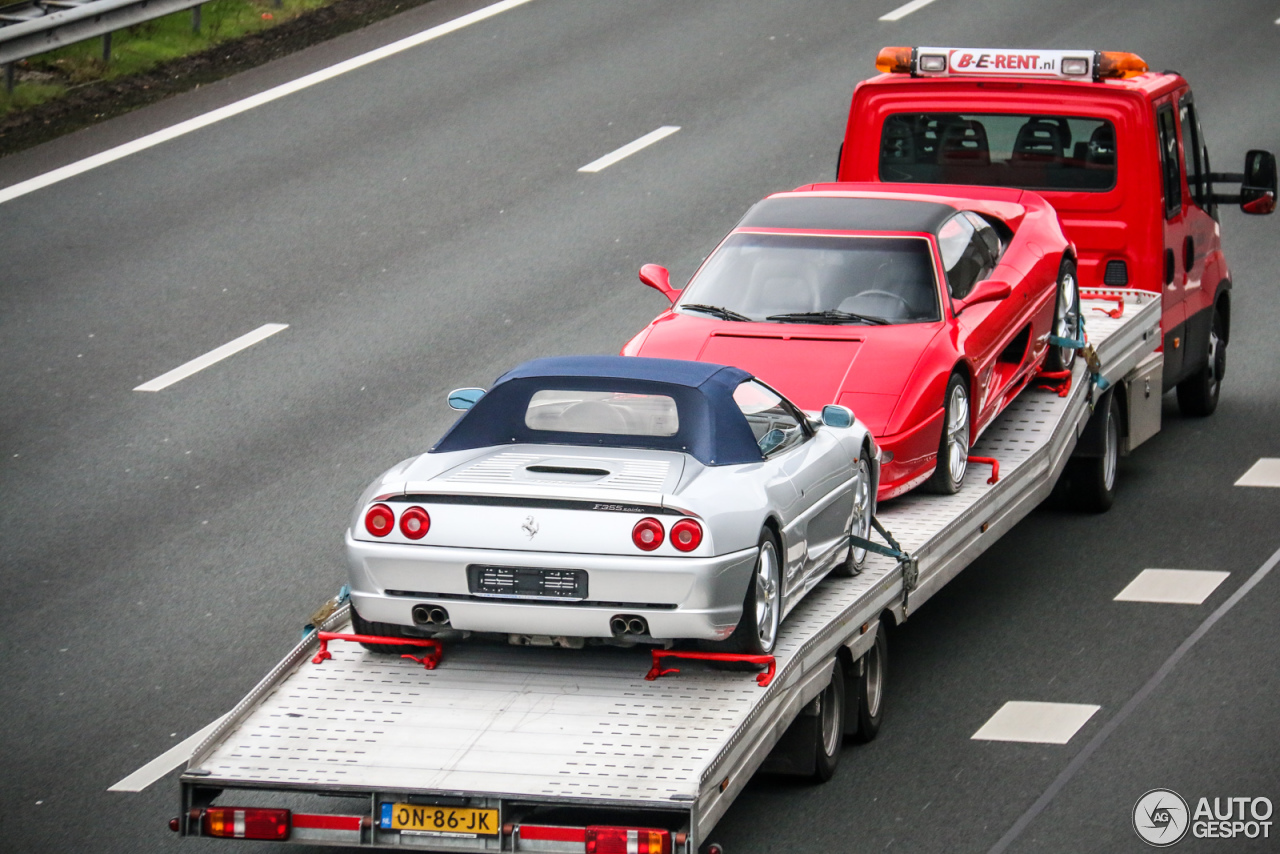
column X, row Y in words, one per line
column 1117, row 149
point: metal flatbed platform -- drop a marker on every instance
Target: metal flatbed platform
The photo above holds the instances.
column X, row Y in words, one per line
column 524, row 729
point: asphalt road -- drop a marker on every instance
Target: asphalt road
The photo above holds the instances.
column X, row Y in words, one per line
column 420, row 224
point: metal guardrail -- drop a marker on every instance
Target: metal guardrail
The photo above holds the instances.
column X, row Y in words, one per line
column 36, row 26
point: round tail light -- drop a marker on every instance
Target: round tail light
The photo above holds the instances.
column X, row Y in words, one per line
column 647, row 534
column 379, row 520
column 414, row 523
column 686, row 535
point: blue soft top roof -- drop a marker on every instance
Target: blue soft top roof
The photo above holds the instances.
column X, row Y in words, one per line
column 712, row 428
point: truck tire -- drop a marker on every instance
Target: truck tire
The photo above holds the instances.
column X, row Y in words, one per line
column 1092, row 480
column 1198, row 393
column 864, row 498
column 757, row 629
column 953, row 447
column 829, row 732
column 1066, row 317
column 361, row 626
column 871, row 673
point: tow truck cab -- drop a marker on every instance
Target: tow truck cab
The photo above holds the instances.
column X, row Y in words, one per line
column 1118, row 150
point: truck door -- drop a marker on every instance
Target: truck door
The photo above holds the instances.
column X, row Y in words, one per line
column 1176, row 239
column 1201, row 242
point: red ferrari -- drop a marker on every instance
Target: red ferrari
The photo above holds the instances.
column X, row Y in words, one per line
column 923, row 310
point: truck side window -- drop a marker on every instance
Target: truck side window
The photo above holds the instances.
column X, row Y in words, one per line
column 1195, row 154
column 1170, row 162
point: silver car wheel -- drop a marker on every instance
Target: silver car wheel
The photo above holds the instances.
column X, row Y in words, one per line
column 861, row 507
column 958, row 433
column 1068, row 316
column 768, row 595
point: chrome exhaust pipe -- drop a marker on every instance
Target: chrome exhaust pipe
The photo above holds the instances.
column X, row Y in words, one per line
column 430, row 615
column 439, row 616
column 637, row 626
column 618, row 626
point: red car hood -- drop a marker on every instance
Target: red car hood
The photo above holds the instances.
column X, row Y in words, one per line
column 863, row 367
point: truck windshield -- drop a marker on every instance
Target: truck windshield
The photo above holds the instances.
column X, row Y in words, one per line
column 810, row 278
column 1032, row 152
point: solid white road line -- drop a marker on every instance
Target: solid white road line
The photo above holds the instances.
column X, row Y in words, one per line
column 164, row 763
column 1172, row 586
column 143, row 143
column 1265, row 472
column 629, row 149
column 904, row 10
column 213, row 356
column 1037, row 723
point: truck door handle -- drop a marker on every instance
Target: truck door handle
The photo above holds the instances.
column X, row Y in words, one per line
column 1189, row 253
column 1169, row 263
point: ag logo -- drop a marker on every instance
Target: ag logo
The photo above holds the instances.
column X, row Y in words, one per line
column 1160, row 817
column 530, row 526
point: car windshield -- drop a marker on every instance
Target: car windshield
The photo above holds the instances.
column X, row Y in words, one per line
column 1033, row 152
column 608, row 412
column 807, row 278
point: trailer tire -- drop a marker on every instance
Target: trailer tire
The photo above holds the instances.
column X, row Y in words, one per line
column 864, row 497
column 1092, row 480
column 361, row 626
column 871, row 673
column 1066, row 317
column 766, row 581
column 829, row 733
column 1198, row 393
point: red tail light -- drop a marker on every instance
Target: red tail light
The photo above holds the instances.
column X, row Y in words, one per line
column 647, row 534
column 379, row 520
column 686, row 535
column 414, row 523
column 245, row 823
column 628, row 840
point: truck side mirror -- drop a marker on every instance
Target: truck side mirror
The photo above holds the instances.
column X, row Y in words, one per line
column 463, row 399
column 988, row 290
column 659, row 278
column 1258, row 192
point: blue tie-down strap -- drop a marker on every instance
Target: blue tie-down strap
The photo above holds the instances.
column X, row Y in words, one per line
column 910, row 569
column 1069, row 343
column 327, row 610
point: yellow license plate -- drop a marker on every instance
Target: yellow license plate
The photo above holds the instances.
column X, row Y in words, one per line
column 440, row 821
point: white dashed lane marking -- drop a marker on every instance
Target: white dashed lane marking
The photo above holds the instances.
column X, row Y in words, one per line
column 904, row 10
column 1036, row 723
column 1265, row 472
column 212, row 357
column 1172, row 586
column 630, row 148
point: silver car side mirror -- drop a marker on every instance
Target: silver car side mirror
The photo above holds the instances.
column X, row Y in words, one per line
column 463, row 399
column 834, row 415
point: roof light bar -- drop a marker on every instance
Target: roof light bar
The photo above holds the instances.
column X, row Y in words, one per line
column 971, row 62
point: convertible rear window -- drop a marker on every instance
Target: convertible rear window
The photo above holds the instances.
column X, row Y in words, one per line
column 1033, row 152
column 607, row 412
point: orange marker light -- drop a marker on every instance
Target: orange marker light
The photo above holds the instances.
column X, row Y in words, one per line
column 894, row 60
column 1119, row 66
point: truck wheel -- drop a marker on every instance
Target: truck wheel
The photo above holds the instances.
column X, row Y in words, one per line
column 872, row 670
column 864, row 496
column 953, row 447
column 1093, row 479
column 1198, row 393
column 757, row 630
column 830, row 729
column 1066, row 318
column 361, row 626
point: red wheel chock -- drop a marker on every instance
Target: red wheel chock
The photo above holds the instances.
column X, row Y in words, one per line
column 762, row 679
column 989, row 461
column 1062, row 378
column 429, row 661
column 1114, row 313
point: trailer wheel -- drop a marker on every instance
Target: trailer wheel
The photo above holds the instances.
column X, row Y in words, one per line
column 1198, row 393
column 361, row 626
column 871, row 670
column 863, row 502
column 830, row 729
column 1092, row 480
column 953, row 447
column 1066, row 318
column 757, row 629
